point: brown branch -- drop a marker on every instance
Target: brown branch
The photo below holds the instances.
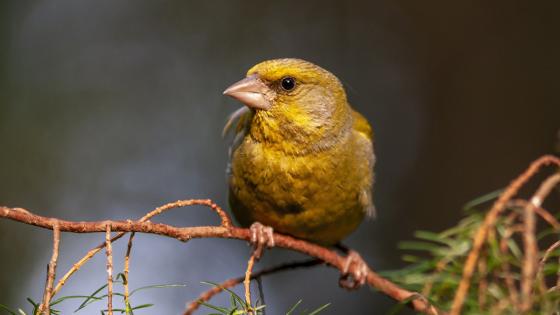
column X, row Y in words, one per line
column 489, row 222
column 546, row 255
column 47, row 295
column 226, row 221
column 440, row 266
column 82, row 261
column 531, row 249
column 504, row 250
column 528, row 269
column 206, row 296
column 482, row 284
column 247, row 281
column 543, row 213
column 159, row 210
column 542, row 263
column 558, row 277
column 544, row 190
column 556, row 302
column 125, row 272
column 499, row 307
column 109, row 250
column 186, row 233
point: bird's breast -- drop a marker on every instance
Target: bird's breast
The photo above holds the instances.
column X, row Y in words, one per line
column 298, row 194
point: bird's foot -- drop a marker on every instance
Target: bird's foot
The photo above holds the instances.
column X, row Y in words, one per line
column 354, row 272
column 261, row 236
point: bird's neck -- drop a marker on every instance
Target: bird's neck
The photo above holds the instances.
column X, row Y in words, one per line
column 301, row 133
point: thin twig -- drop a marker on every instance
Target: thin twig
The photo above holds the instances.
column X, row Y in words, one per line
column 427, row 289
column 552, row 221
column 109, row 250
column 528, row 269
column 247, row 281
column 540, row 275
column 489, row 221
column 544, row 190
column 504, row 251
column 556, row 301
column 206, row 296
column 225, row 221
column 47, row 295
column 482, row 284
column 530, row 272
column 125, row 272
column 546, row 255
column 186, row 233
column 543, row 213
column 82, row 261
column 558, row 277
column 499, row 307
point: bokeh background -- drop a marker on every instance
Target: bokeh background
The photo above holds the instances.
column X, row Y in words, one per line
column 111, row 108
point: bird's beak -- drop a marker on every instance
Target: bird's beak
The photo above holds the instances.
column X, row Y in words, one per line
column 252, row 92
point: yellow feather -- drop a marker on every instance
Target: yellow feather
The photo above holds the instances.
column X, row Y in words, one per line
column 305, row 165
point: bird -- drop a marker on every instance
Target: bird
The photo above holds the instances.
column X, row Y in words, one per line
column 302, row 160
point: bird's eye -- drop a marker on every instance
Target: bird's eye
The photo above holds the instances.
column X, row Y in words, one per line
column 288, row 83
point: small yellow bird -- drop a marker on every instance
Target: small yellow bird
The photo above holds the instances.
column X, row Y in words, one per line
column 302, row 159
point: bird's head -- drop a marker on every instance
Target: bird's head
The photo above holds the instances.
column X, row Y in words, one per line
column 294, row 101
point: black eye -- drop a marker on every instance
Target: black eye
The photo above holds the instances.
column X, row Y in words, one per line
column 288, row 83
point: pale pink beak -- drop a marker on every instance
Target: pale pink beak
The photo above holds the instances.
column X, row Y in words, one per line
column 252, row 91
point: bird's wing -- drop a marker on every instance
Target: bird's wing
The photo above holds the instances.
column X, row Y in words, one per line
column 240, row 116
column 362, row 126
column 238, row 123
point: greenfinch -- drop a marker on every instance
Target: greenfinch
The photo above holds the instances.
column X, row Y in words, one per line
column 302, row 159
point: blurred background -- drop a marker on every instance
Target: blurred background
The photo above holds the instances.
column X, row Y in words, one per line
column 111, row 108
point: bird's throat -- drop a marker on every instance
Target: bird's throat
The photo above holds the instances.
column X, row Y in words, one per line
column 298, row 136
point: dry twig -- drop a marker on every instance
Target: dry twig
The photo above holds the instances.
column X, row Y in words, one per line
column 547, row 254
column 531, row 250
column 225, row 221
column 247, row 281
column 482, row 284
column 543, row 213
column 109, row 250
column 530, row 242
column 206, row 296
column 489, row 222
column 186, row 233
column 528, row 269
column 47, row 295
column 440, row 266
column 125, row 272
column 504, row 250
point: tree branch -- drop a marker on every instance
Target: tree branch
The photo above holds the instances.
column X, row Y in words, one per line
column 206, row 296
column 109, row 251
column 247, row 281
column 45, row 308
column 225, row 231
column 489, row 221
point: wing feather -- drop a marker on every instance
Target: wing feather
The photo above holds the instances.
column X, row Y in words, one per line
column 241, row 119
column 362, row 126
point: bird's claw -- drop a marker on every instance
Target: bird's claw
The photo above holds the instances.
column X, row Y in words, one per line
column 354, row 272
column 261, row 236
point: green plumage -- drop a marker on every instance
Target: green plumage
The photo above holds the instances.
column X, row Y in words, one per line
column 304, row 166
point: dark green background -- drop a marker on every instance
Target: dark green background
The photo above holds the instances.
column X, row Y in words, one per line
column 110, row 108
